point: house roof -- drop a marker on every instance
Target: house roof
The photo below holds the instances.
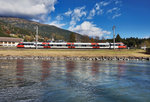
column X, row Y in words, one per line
column 10, row 39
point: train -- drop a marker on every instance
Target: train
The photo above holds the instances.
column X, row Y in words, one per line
column 68, row 45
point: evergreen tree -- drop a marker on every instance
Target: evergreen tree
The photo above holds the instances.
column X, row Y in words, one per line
column 118, row 38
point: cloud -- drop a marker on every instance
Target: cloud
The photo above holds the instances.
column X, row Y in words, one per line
column 87, row 28
column 57, row 24
column 92, row 14
column 113, row 10
column 68, row 13
column 59, row 17
column 101, row 8
column 98, row 9
column 146, row 37
column 116, row 15
column 76, row 15
column 28, row 8
column 118, row 2
column 104, row 3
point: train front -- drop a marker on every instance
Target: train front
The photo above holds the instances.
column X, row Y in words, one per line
column 20, row 45
column 121, row 46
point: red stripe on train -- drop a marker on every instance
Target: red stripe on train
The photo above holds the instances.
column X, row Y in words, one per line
column 44, row 43
column 96, row 47
column 20, row 46
column 68, row 43
column 46, row 47
column 93, row 43
column 120, row 47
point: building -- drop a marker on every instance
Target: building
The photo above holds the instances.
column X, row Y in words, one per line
column 8, row 41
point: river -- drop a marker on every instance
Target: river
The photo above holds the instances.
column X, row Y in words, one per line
column 74, row 81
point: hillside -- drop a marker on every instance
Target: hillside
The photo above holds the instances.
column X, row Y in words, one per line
column 7, row 29
column 22, row 27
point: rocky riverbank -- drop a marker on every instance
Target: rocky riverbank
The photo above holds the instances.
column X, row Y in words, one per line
column 102, row 58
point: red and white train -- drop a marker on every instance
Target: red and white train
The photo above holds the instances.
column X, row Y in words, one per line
column 64, row 45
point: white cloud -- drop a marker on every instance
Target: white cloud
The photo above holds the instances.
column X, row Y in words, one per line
column 57, row 24
column 59, row 17
column 76, row 15
column 92, row 14
column 98, row 9
column 102, row 7
column 97, row 6
column 68, row 13
column 28, row 8
column 113, row 10
column 146, row 37
column 104, row 3
column 118, row 2
column 116, row 15
column 87, row 28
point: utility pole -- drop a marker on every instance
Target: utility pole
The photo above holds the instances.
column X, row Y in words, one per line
column 114, row 35
column 36, row 37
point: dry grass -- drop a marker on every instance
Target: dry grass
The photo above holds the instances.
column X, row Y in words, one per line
column 72, row 52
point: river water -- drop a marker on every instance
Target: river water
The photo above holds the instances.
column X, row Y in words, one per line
column 74, row 81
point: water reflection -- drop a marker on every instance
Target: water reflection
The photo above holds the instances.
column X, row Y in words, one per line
column 74, row 81
column 95, row 68
column 70, row 66
column 19, row 71
column 45, row 69
column 121, row 68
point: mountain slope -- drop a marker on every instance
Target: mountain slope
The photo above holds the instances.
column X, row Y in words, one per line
column 7, row 29
column 44, row 30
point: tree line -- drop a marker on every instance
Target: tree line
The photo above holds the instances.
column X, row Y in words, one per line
column 131, row 42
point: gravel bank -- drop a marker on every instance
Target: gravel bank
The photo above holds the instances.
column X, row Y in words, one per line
column 77, row 58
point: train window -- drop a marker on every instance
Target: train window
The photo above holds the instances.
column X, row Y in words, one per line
column 20, row 44
column 40, row 45
column 51, row 45
column 68, row 45
column 102, row 45
column 94, row 45
column 30, row 44
column 25, row 44
column 75, row 45
column 59, row 45
column 84, row 45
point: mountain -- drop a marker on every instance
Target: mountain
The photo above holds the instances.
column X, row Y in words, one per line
column 21, row 28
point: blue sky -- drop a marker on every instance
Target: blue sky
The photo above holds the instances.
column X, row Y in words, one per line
column 87, row 17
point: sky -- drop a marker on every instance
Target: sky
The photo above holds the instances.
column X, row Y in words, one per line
column 87, row 17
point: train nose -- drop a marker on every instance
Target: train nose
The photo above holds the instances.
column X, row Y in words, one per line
column 20, row 46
